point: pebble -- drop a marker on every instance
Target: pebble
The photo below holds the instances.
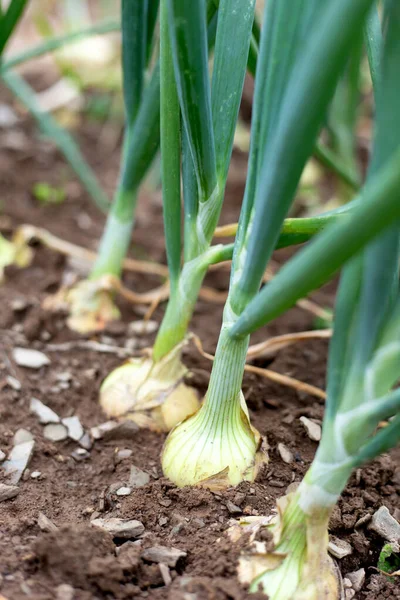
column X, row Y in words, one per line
column 165, row 574
column 85, row 441
column 45, row 524
column 18, row 460
column 13, row 383
column 64, row 377
column 120, row 528
column 339, row 548
column 8, row 117
column 143, row 327
column 35, row 474
column 19, row 304
column 163, row 554
column 138, row 478
column 65, row 592
column 80, row 454
column 233, row 509
column 74, row 427
column 123, row 454
column 314, row 430
column 21, row 436
column 124, row 491
column 285, row 454
column 363, row 520
column 385, row 525
column 55, row 432
column 8, row 491
column 31, row 359
column 357, row 579
column 349, row 594
column 43, row 412
column 2, row 455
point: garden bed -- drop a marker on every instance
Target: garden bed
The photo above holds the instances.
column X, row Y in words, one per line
column 71, row 492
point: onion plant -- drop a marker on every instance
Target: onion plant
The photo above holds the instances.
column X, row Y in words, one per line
column 363, row 367
column 198, row 119
column 91, row 302
column 9, row 20
column 303, row 52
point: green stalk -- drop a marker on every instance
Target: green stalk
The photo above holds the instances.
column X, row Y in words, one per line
column 329, row 159
column 9, row 21
column 63, row 140
column 316, row 264
column 207, row 141
column 170, row 153
column 58, row 42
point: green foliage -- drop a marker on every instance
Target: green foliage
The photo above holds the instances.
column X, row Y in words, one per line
column 48, row 194
column 389, row 560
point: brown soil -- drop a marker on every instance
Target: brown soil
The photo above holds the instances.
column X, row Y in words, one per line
column 35, row 564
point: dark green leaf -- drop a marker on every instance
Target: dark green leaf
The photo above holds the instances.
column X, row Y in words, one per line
column 315, row 265
column 189, row 43
column 170, row 151
column 307, row 95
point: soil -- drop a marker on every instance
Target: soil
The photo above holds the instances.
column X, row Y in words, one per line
column 41, row 565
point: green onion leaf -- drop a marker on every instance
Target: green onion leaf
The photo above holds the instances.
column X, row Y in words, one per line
column 170, row 151
column 189, row 43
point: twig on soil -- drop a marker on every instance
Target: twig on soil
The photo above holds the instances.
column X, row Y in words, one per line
column 69, row 249
column 285, row 380
column 87, row 345
column 271, row 346
column 158, row 294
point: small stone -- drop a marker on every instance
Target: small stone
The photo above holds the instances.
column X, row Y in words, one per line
column 18, row 460
column 36, row 474
column 21, row 436
column 8, row 491
column 2, row 455
column 339, row 548
column 163, row 554
column 357, row 579
column 385, row 525
column 124, row 491
column 8, row 118
column 64, row 377
column 123, row 454
column 198, row 523
column 55, row 432
column 120, row 528
column 138, row 478
column 347, row 583
column 233, row 509
column 349, row 594
column 13, row 383
column 85, row 441
column 165, row 574
column 19, row 304
column 285, row 454
column 80, row 454
column 74, row 427
column 165, row 502
column 45, row 524
column 65, row 592
column 163, row 521
column 143, row 327
column 363, row 520
column 43, row 412
column 314, row 430
column 31, row 359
